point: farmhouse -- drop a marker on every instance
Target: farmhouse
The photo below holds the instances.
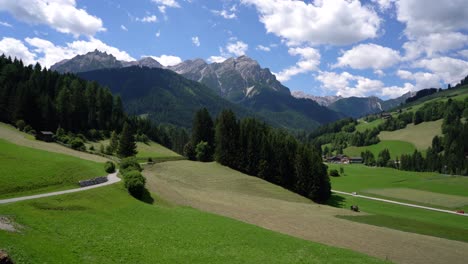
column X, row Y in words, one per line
column 385, row 115
column 46, row 136
column 355, row 160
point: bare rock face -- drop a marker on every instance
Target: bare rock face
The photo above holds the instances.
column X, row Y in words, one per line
column 4, row 258
column 321, row 100
column 90, row 61
column 143, row 62
column 236, row 79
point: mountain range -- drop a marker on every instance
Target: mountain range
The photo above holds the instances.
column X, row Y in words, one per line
column 241, row 81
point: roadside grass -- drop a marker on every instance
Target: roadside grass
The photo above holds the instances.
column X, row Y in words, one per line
column 359, row 178
column 420, row 135
column 396, row 148
column 106, row 225
column 26, row 170
column 408, row 219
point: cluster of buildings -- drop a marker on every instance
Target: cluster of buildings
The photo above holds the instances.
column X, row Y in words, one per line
column 343, row 159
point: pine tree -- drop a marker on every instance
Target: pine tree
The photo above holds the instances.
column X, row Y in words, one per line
column 226, row 139
column 114, row 142
column 127, row 144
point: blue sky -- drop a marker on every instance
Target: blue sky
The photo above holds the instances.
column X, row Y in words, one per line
column 322, row 47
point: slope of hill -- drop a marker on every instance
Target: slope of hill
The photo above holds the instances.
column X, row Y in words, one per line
column 218, row 189
column 163, row 95
column 420, row 135
column 167, row 97
column 357, row 106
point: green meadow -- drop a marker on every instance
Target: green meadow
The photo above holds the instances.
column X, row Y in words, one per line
column 26, row 170
column 396, row 148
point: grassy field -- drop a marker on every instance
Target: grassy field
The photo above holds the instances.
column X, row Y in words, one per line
column 26, row 170
column 396, row 148
column 217, row 189
column 11, row 134
column 106, row 225
column 145, row 150
column 363, row 125
column 420, row 135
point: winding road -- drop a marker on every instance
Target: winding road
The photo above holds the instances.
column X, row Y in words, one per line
column 400, row 203
column 111, row 179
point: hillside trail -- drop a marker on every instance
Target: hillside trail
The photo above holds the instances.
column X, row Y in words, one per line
column 111, row 179
column 244, row 198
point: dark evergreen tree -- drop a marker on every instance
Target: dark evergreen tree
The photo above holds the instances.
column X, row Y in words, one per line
column 127, row 144
column 226, row 139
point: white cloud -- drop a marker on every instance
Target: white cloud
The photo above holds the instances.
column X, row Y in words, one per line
column 237, row 48
column 432, row 16
column 263, row 48
column 5, row 24
column 464, row 53
column 15, row 48
column 383, row 4
column 365, row 56
column 196, row 41
column 168, row 3
column 309, row 61
column 380, row 73
column 423, row 79
column 346, row 85
column 162, row 9
column 337, row 22
column 158, row 34
column 217, row 59
column 434, row 44
column 48, row 53
column 448, row 69
column 62, row 15
column 167, row 60
column 227, row 14
column 148, row 19
column 124, row 28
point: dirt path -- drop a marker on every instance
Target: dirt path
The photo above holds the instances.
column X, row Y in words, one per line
column 111, row 179
column 9, row 133
column 254, row 201
column 400, row 203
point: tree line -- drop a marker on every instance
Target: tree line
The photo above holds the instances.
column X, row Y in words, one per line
column 254, row 148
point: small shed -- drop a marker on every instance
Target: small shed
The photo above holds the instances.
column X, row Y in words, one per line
column 355, row 160
column 46, row 136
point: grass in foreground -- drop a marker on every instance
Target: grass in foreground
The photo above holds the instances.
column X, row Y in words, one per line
column 26, row 170
column 106, row 225
column 420, row 135
column 395, row 147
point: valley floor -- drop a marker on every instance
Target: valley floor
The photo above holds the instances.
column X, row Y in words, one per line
column 217, row 189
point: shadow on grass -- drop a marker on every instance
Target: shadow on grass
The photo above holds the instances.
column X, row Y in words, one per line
column 146, row 197
column 336, row 201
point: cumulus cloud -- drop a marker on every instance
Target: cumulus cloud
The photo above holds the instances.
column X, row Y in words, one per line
column 263, row 48
column 383, row 4
column 168, row 3
column 309, row 61
column 337, row 22
column 365, row 56
column 422, row 80
column 124, row 28
column 226, row 13
column 167, row 60
column 448, row 69
column 346, row 85
column 61, row 15
column 432, row 16
column 148, row 19
column 5, row 24
column 15, row 48
column 464, row 53
column 196, row 41
column 217, row 59
column 47, row 53
column 237, row 48
column 434, row 44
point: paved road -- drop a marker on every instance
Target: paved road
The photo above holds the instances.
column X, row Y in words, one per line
column 111, row 179
column 400, row 203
